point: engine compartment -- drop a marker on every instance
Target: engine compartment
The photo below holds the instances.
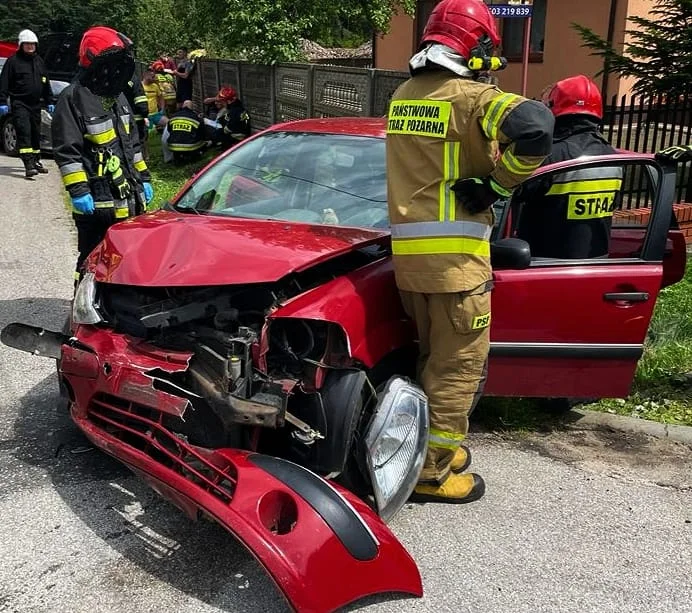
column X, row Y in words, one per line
column 254, row 381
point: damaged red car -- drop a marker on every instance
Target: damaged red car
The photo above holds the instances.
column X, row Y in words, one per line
column 245, row 352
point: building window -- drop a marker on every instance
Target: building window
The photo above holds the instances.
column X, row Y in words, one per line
column 513, row 33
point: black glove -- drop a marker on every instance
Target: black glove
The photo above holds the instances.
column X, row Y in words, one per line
column 675, row 154
column 476, row 195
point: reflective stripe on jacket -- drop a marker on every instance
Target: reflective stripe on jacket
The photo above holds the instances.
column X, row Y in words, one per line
column 442, row 128
column 88, row 133
column 134, row 92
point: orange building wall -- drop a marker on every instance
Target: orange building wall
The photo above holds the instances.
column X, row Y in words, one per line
column 562, row 55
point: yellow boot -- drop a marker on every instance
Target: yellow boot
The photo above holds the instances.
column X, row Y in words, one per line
column 461, row 460
column 456, row 489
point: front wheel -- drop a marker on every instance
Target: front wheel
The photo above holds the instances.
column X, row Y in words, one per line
column 8, row 136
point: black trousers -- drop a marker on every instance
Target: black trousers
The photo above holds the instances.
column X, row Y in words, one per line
column 27, row 120
column 91, row 230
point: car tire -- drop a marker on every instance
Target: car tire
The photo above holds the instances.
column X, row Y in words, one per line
column 8, row 137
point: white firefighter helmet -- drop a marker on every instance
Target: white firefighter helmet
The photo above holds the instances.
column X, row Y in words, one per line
column 27, row 36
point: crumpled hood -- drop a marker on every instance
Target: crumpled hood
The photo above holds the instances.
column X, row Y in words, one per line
column 171, row 249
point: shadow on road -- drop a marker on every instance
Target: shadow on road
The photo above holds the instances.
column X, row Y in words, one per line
column 16, row 172
column 200, row 559
column 49, row 313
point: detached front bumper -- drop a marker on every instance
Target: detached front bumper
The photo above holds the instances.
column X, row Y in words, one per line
column 323, row 546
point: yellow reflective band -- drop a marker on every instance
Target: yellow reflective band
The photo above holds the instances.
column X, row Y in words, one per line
column 127, row 127
column 74, row 177
column 480, row 321
column 499, row 189
column 102, row 138
column 122, row 212
column 585, row 187
column 35, row 151
column 444, row 185
column 441, row 246
column 419, row 117
column 516, row 166
column 455, row 176
column 183, row 148
column 140, row 99
column 76, row 276
column 43, row 79
column 444, row 440
column 491, row 121
column 25, row 150
column 140, row 166
column 590, row 206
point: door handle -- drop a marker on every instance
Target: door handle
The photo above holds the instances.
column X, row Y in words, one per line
column 626, row 296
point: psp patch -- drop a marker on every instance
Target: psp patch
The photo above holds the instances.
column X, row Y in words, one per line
column 419, row 117
column 480, row 321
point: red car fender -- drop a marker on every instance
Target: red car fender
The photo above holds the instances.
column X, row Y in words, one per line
column 367, row 307
column 323, row 547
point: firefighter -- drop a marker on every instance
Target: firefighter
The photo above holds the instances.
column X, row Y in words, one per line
column 186, row 136
column 138, row 101
column 232, row 119
column 167, row 86
column 570, row 214
column 455, row 145
column 95, row 141
column 25, row 82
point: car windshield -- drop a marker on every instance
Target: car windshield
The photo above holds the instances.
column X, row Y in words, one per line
column 313, row 178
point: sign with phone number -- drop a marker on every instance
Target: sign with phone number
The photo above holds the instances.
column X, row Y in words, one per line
column 511, row 10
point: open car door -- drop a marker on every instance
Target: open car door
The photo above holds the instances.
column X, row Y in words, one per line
column 576, row 328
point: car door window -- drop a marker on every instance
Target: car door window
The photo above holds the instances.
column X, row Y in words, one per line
column 587, row 212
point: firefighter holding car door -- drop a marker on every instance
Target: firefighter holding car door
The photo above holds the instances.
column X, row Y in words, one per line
column 455, row 145
column 95, row 141
column 24, row 82
column 570, row 214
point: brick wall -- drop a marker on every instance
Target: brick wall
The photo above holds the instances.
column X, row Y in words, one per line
column 683, row 213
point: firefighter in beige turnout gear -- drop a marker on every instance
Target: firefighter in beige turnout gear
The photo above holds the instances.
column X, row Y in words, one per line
column 454, row 146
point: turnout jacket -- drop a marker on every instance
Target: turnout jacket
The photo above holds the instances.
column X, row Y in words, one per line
column 137, row 99
column 96, row 147
column 24, row 79
column 235, row 122
column 442, row 128
column 570, row 214
column 185, row 131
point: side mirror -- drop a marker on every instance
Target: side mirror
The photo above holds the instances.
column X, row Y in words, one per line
column 510, row 253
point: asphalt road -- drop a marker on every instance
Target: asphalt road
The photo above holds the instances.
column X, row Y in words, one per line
column 574, row 521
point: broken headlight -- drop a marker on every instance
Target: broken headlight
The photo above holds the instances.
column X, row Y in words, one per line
column 396, row 443
column 84, row 303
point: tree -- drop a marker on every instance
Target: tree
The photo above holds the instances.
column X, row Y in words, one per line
column 268, row 31
column 659, row 53
column 44, row 16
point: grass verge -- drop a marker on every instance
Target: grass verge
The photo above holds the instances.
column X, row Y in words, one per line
column 167, row 179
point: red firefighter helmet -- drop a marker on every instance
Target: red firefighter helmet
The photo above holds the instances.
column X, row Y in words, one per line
column 467, row 26
column 226, row 94
column 574, row 95
column 101, row 40
column 158, row 66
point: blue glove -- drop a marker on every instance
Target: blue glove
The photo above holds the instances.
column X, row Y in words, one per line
column 84, row 204
column 4, row 109
column 51, row 108
column 148, row 192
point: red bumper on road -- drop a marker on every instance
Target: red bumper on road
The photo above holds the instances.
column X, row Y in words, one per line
column 323, row 546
